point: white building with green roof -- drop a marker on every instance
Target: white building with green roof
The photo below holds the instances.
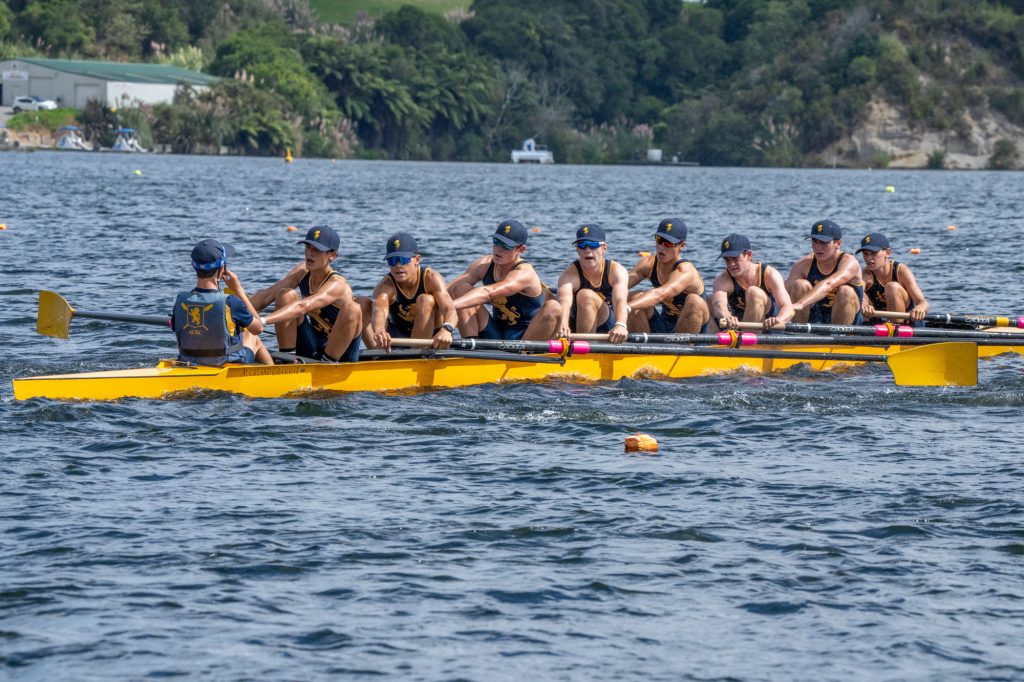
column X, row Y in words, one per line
column 71, row 83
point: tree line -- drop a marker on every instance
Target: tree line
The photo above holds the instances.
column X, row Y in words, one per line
column 723, row 82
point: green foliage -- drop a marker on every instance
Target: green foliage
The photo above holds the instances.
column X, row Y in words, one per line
column 336, row 12
column 51, row 119
column 937, row 159
column 1005, row 156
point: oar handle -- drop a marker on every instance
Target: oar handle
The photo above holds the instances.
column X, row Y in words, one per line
column 886, row 330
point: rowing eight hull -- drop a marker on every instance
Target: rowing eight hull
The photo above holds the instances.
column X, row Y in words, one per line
column 260, row 381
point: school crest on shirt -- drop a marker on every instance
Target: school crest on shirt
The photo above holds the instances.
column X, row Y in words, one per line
column 195, row 317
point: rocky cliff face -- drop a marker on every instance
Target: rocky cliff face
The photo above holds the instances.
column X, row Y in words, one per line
column 886, row 134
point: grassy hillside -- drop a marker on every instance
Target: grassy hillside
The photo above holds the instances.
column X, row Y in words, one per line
column 344, row 11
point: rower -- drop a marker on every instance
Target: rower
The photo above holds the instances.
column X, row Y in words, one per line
column 676, row 286
column 747, row 291
column 592, row 288
column 522, row 307
column 411, row 301
column 321, row 320
column 214, row 328
column 888, row 285
column 825, row 285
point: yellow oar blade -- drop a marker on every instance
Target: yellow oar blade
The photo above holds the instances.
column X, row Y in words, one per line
column 936, row 364
column 54, row 315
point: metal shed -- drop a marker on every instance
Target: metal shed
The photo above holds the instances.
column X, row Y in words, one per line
column 71, row 83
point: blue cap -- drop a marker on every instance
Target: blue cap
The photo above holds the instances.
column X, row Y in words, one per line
column 511, row 232
column 672, row 229
column 825, row 231
column 210, row 254
column 322, row 238
column 734, row 245
column 876, row 241
column 591, row 232
column 401, row 244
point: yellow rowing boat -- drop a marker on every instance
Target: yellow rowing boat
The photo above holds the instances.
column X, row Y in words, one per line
column 935, row 364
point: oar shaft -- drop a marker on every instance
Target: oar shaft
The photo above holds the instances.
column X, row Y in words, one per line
column 585, row 347
column 897, row 333
column 974, row 320
column 158, row 320
column 776, row 339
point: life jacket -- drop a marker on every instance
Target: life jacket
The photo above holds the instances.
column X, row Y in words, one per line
column 206, row 333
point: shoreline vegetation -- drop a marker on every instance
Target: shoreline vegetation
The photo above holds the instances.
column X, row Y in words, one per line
column 806, row 83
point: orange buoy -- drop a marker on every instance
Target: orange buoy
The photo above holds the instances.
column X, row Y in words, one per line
column 3, row 226
column 535, row 230
column 641, row 442
column 951, row 227
column 643, row 254
column 292, row 228
column 915, row 251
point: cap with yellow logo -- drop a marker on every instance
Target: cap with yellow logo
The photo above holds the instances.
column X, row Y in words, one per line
column 734, row 245
column 672, row 229
column 322, row 238
column 825, row 231
column 401, row 244
column 511, row 233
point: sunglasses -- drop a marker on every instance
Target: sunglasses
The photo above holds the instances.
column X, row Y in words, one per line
column 498, row 242
column 395, row 260
column 661, row 240
column 583, row 245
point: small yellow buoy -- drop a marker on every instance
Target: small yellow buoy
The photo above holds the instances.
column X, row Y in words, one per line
column 643, row 254
column 890, row 188
column 138, row 172
column 915, row 251
column 292, row 228
column 951, row 227
column 3, row 226
column 641, row 442
column 288, row 155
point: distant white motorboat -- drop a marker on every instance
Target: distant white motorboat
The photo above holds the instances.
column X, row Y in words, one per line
column 127, row 141
column 71, row 139
column 532, row 153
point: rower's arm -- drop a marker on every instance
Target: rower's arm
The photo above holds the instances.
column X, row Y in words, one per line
column 618, row 278
column 721, row 288
column 568, row 283
column 337, row 288
column 641, row 270
column 799, row 270
column 382, row 294
column 682, row 277
column 468, row 279
column 909, row 283
column 261, row 299
column 232, row 281
column 846, row 271
column 435, row 287
column 777, row 288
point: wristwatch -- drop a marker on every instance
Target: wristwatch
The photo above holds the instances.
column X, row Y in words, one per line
column 450, row 327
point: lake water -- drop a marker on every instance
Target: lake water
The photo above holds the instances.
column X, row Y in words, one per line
column 798, row 525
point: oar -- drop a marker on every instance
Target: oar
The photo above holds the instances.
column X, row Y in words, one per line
column 883, row 330
column 1016, row 321
column 55, row 316
column 937, row 364
column 737, row 340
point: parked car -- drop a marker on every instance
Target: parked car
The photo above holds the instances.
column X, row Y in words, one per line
column 27, row 103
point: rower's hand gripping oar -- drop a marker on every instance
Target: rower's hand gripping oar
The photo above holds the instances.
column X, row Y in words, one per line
column 938, row 364
column 55, row 316
column 891, row 331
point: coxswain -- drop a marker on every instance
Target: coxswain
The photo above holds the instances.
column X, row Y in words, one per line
column 591, row 289
column 825, row 285
column 748, row 291
column 675, row 285
column 411, row 301
column 888, row 284
column 214, row 328
column 521, row 306
column 321, row 320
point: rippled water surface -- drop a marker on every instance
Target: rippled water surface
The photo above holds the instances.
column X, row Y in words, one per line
column 792, row 526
